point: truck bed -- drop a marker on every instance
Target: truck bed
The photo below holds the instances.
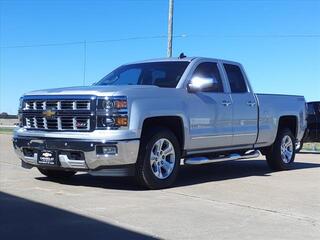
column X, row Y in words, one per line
column 271, row 107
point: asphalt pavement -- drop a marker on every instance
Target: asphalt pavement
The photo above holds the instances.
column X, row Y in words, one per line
column 229, row 200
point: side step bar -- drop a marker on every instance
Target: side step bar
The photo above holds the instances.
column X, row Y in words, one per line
column 234, row 156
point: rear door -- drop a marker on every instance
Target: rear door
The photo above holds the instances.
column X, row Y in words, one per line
column 245, row 107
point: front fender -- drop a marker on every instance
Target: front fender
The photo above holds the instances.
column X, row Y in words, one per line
column 142, row 109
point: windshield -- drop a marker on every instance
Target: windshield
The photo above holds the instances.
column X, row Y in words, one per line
column 161, row 74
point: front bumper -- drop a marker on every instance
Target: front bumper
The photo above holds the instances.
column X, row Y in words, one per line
column 91, row 160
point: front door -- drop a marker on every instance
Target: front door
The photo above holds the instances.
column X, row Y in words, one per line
column 210, row 111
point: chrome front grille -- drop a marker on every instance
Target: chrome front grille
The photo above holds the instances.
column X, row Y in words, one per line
column 57, row 105
column 59, row 114
column 59, row 123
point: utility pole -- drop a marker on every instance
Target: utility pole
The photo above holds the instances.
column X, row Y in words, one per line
column 170, row 29
column 84, row 62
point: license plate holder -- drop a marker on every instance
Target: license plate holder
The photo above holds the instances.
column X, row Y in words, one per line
column 47, row 157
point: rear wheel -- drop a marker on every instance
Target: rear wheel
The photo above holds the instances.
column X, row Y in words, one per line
column 282, row 153
column 56, row 174
column 159, row 159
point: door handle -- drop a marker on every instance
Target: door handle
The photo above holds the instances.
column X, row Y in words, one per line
column 226, row 103
column 251, row 103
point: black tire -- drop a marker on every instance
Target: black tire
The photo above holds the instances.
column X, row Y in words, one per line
column 274, row 157
column 144, row 173
column 56, row 174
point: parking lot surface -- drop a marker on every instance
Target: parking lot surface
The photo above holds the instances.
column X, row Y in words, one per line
column 230, row 200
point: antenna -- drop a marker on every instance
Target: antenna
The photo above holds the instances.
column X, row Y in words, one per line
column 182, row 56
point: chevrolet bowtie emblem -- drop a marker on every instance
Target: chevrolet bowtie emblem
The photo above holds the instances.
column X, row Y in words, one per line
column 49, row 113
column 46, row 154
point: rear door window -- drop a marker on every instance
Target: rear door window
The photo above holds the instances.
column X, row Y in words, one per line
column 235, row 78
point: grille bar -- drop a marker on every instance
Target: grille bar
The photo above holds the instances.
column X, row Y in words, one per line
column 59, row 123
column 59, row 114
column 57, row 105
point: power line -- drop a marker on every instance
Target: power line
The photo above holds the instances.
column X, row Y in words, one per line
column 255, row 35
column 165, row 36
column 160, row 1
column 44, row 45
column 92, row 42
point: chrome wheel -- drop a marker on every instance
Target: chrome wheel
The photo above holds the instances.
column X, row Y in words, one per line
column 287, row 149
column 162, row 158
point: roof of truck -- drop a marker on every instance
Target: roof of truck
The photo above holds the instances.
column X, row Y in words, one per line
column 175, row 59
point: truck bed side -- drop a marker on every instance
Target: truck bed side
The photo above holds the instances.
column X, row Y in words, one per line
column 272, row 107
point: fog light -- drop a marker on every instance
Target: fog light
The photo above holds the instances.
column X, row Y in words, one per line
column 107, row 150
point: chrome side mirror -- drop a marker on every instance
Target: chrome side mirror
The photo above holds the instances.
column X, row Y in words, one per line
column 198, row 84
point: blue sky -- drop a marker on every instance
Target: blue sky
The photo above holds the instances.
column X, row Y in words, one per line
column 277, row 41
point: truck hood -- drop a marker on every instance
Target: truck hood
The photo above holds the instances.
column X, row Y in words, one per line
column 90, row 90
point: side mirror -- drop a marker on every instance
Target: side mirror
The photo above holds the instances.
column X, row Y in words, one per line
column 198, row 84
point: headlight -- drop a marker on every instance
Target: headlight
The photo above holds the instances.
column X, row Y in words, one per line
column 112, row 112
column 107, row 104
column 120, row 104
column 112, row 103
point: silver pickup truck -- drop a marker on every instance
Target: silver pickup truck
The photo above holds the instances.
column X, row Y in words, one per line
column 148, row 118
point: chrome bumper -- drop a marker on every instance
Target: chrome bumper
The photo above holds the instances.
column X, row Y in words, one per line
column 127, row 152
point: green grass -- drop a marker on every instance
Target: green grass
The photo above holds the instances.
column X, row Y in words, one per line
column 311, row 146
column 6, row 130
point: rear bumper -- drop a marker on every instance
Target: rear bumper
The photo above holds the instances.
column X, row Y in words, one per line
column 91, row 160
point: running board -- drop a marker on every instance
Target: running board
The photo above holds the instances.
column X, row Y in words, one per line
column 231, row 157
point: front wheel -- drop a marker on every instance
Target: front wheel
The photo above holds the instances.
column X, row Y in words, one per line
column 56, row 174
column 159, row 159
column 282, row 152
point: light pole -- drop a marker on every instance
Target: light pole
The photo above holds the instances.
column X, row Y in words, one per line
column 170, row 29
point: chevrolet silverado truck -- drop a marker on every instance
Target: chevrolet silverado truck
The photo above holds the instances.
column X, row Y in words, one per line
column 312, row 133
column 148, row 118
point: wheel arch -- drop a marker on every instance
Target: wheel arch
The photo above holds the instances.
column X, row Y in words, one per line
column 173, row 123
column 290, row 122
column 287, row 121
